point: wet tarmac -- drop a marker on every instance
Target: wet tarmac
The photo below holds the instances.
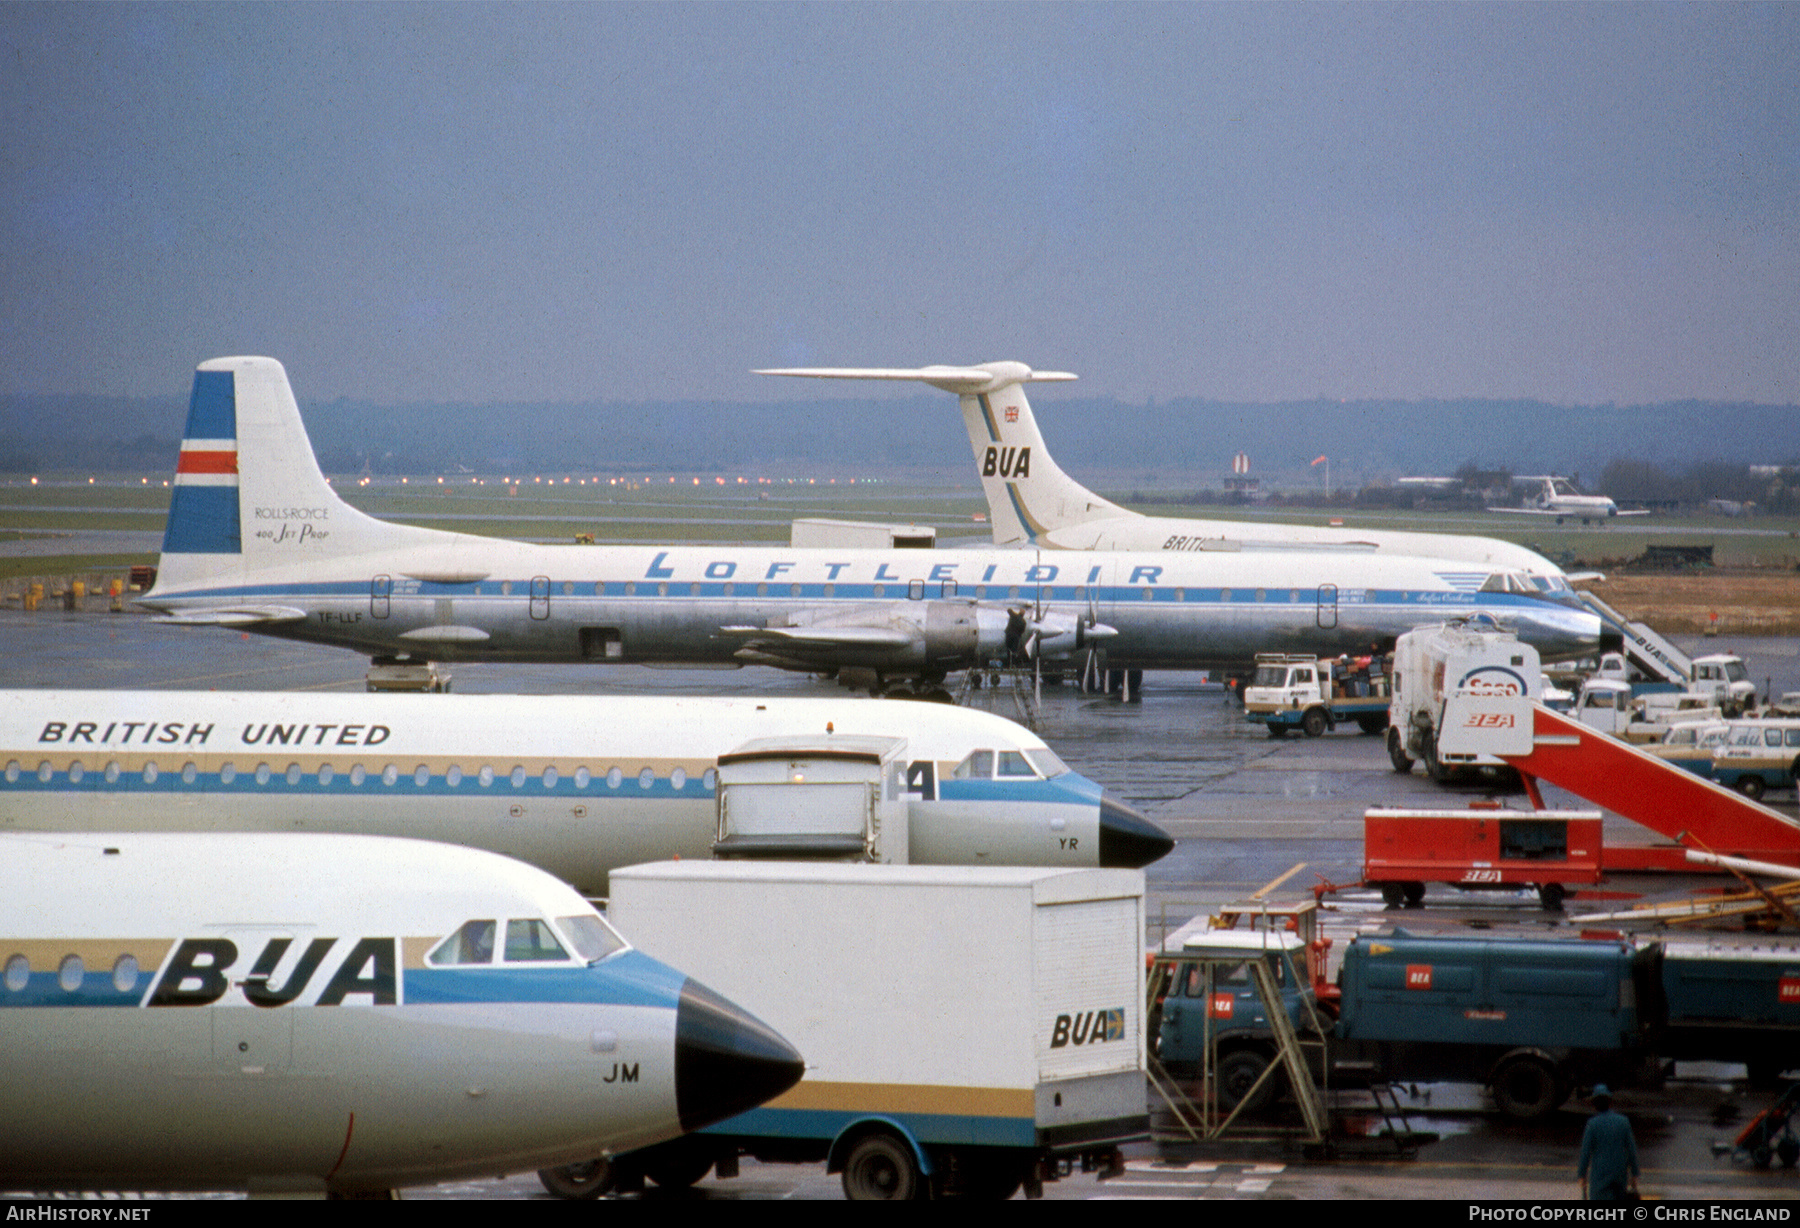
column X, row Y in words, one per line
column 1245, row 809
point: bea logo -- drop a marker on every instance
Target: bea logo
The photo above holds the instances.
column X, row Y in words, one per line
column 1418, row 976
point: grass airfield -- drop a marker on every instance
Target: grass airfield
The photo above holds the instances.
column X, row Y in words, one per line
column 709, row 509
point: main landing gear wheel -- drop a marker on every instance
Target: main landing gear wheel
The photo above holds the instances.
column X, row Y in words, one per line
column 881, row 1168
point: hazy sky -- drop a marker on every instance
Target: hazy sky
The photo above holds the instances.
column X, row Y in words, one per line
column 466, row 202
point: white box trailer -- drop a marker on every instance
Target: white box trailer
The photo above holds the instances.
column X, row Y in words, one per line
column 965, row 1029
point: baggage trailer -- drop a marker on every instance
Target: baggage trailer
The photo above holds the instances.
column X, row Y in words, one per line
column 966, row 1029
column 1481, row 847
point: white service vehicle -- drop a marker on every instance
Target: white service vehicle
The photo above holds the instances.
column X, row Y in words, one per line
column 1312, row 694
column 1433, row 663
column 1726, row 680
column 966, row 1029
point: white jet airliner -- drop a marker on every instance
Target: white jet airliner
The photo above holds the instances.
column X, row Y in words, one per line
column 1558, row 497
column 577, row 785
column 257, row 539
column 1033, row 503
column 343, row 1014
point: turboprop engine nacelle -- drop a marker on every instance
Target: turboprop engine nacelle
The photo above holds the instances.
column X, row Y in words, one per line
column 924, row 636
column 1054, row 636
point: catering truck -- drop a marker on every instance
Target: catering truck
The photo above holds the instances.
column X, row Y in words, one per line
column 967, row 1030
column 1433, row 663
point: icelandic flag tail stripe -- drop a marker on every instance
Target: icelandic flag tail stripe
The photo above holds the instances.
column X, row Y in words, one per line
column 203, row 507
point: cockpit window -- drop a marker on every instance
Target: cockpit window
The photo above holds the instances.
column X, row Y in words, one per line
column 1509, row 582
column 1014, row 764
column 530, row 940
column 592, row 938
column 472, row 944
column 978, row 766
column 1046, row 762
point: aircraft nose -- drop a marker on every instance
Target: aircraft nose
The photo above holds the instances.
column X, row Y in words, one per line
column 726, row 1059
column 1129, row 841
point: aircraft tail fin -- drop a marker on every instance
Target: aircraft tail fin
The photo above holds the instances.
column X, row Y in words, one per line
column 1028, row 494
column 248, row 493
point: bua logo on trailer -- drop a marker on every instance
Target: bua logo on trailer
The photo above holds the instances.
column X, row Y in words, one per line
column 1088, row 1028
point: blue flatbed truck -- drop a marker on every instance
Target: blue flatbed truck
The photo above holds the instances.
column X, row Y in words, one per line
column 1532, row 1019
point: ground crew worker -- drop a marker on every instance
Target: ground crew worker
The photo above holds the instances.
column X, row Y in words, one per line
column 1609, row 1159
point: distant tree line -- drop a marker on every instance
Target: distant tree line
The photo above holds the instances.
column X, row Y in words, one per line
column 1774, row 489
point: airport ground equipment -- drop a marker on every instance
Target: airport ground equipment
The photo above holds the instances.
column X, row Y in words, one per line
column 1653, row 654
column 1759, row 755
column 1481, row 847
column 307, row 1013
column 1234, row 1011
column 1624, row 779
column 1689, row 745
column 1530, row 1019
column 966, row 1029
column 1769, row 1134
column 1433, row 663
column 1736, row 1002
column 1299, row 691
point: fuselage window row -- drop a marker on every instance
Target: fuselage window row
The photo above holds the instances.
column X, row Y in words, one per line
column 71, row 973
column 389, row 775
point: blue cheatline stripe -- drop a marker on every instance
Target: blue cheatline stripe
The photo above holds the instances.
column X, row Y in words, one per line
column 203, row 520
column 929, row 1128
column 1062, row 790
column 987, row 415
column 169, row 781
column 999, row 592
column 629, row 978
column 212, row 410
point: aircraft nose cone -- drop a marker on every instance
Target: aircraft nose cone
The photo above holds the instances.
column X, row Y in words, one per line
column 726, row 1059
column 1129, row 841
